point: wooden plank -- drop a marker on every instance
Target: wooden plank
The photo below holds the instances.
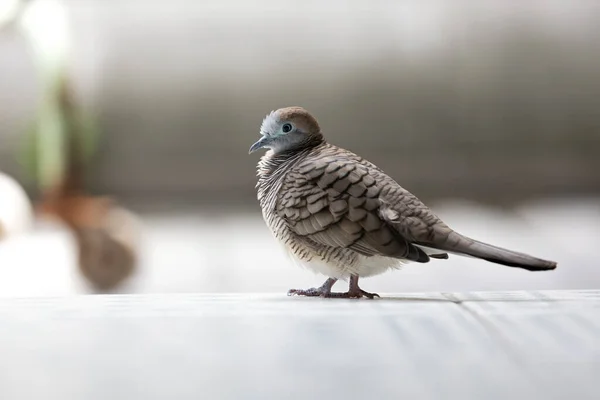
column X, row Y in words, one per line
column 424, row 345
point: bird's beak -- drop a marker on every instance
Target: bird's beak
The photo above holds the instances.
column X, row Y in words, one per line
column 262, row 142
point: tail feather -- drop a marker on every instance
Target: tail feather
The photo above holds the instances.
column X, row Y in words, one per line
column 463, row 245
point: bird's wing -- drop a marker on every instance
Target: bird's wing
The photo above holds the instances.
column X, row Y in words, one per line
column 415, row 222
column 335, row 200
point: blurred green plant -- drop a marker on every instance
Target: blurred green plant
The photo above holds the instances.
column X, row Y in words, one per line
column 62, row 137
column 60, row 141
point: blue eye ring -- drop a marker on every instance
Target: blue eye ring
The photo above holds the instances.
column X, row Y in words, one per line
column 287, row 127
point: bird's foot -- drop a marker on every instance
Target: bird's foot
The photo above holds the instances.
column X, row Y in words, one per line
column 312, row 292
column 353, row 294
column 323, row 291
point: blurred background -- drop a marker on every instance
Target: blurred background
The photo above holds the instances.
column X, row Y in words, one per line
column 489, row 111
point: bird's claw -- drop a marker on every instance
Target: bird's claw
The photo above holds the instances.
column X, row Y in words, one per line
column 369, row 295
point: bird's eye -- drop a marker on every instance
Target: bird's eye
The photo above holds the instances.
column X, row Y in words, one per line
column 286, row 128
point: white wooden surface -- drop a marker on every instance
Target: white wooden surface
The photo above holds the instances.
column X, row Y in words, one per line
column 496, row 345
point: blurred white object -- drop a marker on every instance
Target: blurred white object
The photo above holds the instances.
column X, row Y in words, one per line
column 8, row 10
column 45, row 22
column 16, row 213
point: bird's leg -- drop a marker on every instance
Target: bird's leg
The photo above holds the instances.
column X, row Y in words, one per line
column 323, row 291
column 354, row 291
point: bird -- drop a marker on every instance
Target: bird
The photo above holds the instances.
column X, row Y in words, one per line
column 340, row 215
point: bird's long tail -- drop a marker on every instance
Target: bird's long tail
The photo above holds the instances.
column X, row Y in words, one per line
column 463, row 245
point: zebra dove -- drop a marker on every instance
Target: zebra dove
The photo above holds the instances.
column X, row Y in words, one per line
column 338, row 214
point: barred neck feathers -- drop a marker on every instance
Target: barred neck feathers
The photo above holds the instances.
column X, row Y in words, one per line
column 271, row 171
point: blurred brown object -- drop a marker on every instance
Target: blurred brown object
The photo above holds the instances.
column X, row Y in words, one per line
column 104, row 232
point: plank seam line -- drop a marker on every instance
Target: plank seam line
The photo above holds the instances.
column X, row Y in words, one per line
column 487, row 326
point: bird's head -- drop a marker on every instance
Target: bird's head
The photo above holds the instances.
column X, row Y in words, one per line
column 288, row 129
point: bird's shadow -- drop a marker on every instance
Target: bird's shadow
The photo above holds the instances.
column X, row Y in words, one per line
column 468, row 300
column 414, row 299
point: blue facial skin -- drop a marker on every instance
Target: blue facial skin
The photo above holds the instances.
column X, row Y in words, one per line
column 274, row 134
